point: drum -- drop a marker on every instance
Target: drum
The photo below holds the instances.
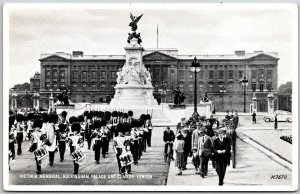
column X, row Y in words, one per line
column 40, row 154
column 126, row 159
column 79, row 157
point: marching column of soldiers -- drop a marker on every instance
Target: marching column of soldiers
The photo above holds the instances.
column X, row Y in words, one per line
column 50, row 133
column 203, row 140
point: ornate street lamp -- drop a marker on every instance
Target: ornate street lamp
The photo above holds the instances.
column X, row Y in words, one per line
column 223, row 91
column 244, row 83
column 195, row 67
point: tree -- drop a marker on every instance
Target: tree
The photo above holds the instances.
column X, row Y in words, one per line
column 285, row 88
column 22, row 87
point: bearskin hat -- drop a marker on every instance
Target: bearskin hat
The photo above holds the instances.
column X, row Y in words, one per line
column 148, row 117
column 30, row 116
column 125, row 115
column 120, row 114
column 103, row 123
column 107, row 115
column 101, row 114
column 97, row 124
column 130, row 113
column 89, row 115
column 11, row 120
column 53, row 118
column 143, row 117
column 64, row 114
column 76, row 127
column 114, row 114
column 85, row 113
column 80, row 118
column 72, row 119
column 20, row 118
column 135, row 123
column 121, row 127
column 37, row 123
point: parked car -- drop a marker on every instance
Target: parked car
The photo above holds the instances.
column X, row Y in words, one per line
column 282, row 116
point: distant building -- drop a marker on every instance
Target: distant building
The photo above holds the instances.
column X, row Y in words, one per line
column 93, row 77
column 35, row 83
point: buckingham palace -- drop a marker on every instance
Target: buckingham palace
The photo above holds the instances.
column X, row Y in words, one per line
column 92, row 78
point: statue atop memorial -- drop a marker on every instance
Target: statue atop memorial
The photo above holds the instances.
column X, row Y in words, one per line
column 179, row 96
column 205, row 98
column 133, row 25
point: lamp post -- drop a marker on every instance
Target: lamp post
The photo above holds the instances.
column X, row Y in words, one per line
column 195, row 67
column 223, row 91
column 244, row 83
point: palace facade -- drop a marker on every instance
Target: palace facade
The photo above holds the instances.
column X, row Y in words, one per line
column 92, row 78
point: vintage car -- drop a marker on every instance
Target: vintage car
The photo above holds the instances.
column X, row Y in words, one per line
column 282, row 116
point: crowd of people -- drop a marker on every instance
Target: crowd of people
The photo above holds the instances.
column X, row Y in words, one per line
column 48, row 133
column 203, row 140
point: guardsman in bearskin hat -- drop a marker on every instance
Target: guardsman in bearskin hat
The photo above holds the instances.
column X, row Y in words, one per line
column 114, row 122
column 80, row 119
column 140, row 137
column 76, row 143
column 134, row 148
column 97, row 138
column 19, row 128
column 125, row 118
column 72, row 120
column 37, row 134
column 62, row 137
column 11, row 137
column 105, row 137
column 89, row 127
column 51, row 137
column 130, row 116
column 45, row 119
column 148, row 125
column 121, row 145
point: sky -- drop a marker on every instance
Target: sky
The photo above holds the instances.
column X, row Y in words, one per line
column 198, row 30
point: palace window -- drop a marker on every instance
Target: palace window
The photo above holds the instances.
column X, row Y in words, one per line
column 84, row 75
column 253, row 86
column 269, row 74
column 48, row 74
column 230, row 74
column 221, row 74
column 83, row 86
column 48, row 85
column 103, row 74
column 55, row 74
column 261, row 87
column 211, row 74
column 94, row 75
column 113, row 75
column 261, row 73
column 191, row 86
column 62, row 74
column 181, row 74
column 75, row 75
column 74, row 86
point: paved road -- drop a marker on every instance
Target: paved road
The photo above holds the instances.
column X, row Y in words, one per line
column 151, row 169
column 253, row 169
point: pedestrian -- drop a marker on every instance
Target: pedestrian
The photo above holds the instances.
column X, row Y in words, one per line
column 187, row 144
column 276, row 122
column 205, row 149
column 179, row 150
column 195, row 136
column 221, row 147
column 168, row 138
column 254, row 118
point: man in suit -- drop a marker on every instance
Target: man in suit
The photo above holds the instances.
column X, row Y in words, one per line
column 169, row 138
column 205, row 148
column 187, row 144
column 221, row 150
column 195, row 136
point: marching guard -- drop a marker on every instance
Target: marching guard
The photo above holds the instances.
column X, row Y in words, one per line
column 51, row 137
column 62, row 138
column 76, row 146
column 97, row 138
column 37, row 135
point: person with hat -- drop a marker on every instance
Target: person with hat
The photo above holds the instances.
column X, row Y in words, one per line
column 196, row 159
column 221, row 149
column 134, row 143
column 168, row 138
column 181, row 124
column 130, row 116
column 187, row 138
column 76, row 142
column 148, row 125
column 195, row 136
column 121, row 144
column 19, row 128
column 105, row 137
column 62, row 137
column 51, row 137
column 179, row 150
column 37, row 133
column 97, row 139
column 205, row 148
